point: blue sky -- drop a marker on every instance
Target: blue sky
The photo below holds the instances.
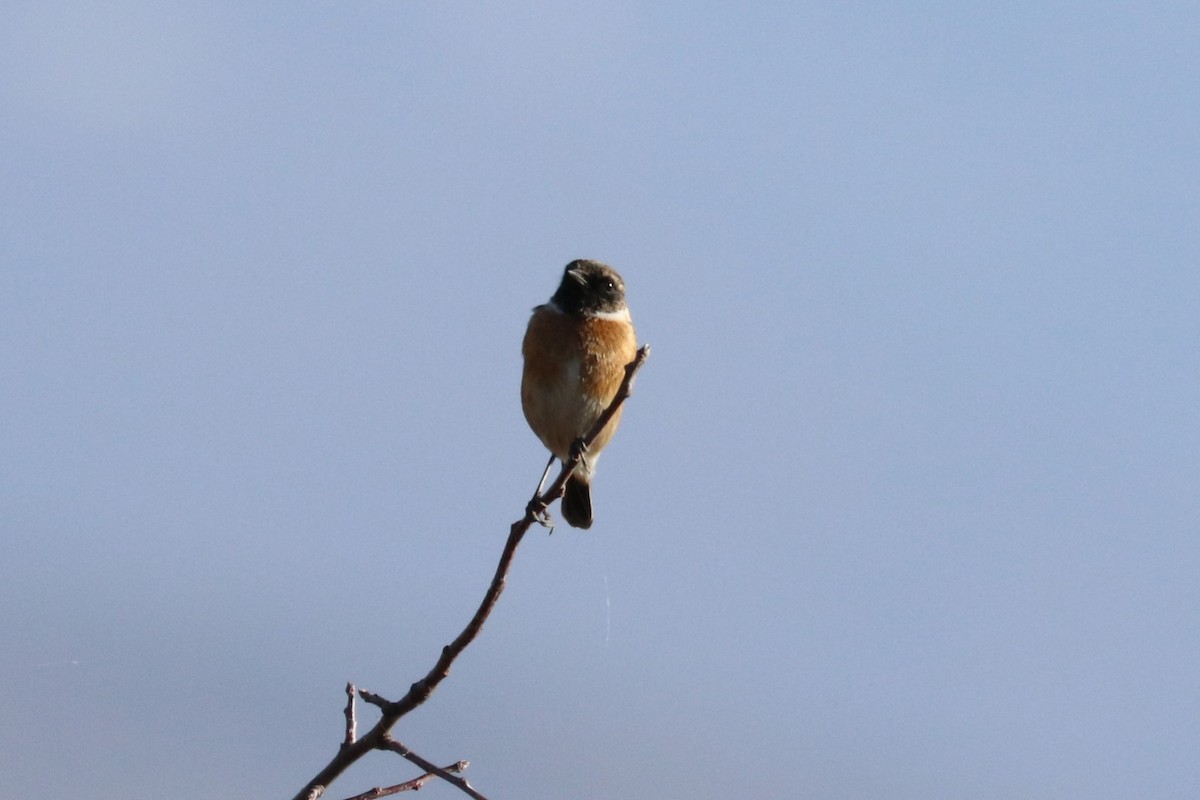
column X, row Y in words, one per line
column 905, row 505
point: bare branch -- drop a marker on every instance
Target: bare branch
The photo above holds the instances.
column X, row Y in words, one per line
column 373, row 698
column 408, row 786
column 624, row 391
column 396, row 747
column 377, row 738
column 351, row 724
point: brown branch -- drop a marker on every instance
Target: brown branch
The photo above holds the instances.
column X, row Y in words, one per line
column 396, row 747
column 377, row 738
column 408, row 786
column 624, row 391
column 351, row 724
column 373, row 699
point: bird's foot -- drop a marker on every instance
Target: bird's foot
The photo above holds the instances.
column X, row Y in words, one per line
column 539, row 512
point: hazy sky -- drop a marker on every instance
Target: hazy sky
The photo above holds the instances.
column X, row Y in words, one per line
column 905, row 505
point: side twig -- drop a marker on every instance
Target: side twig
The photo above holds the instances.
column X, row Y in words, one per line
column 351, row 724
column 408, row 786
column 396, row 747
column 378, row 738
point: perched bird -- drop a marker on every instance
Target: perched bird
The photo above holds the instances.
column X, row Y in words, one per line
column 576, row 348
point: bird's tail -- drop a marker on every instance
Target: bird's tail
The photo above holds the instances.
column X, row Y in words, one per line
column 577, row 502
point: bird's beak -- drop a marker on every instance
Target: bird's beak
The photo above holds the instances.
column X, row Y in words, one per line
column 577, row 276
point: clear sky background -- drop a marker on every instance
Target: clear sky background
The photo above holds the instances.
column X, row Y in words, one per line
column 905, row 505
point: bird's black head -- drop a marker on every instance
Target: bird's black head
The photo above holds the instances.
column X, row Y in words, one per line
column 590, row 287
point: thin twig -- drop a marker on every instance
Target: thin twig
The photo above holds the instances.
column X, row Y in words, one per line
column 408, row 786
column 396, row 747
column 419, row 692
column 351, row 725
column 373, row 698
column 624, row 391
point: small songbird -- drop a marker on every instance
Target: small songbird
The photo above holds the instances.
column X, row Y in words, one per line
column 576, row 348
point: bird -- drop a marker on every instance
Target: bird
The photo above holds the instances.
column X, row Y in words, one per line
column 575, row 350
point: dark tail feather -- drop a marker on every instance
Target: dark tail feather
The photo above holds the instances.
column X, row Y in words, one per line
column 577, row 503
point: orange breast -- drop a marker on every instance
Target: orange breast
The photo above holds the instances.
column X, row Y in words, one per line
column 573, row 368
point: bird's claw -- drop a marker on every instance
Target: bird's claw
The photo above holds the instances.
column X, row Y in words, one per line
column 540, row 513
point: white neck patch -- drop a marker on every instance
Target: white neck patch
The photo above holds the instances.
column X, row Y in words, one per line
column 621, row 315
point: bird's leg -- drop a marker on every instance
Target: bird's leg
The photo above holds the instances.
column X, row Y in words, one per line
column 579, row 450
column 537, row 506
column 538, row 492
